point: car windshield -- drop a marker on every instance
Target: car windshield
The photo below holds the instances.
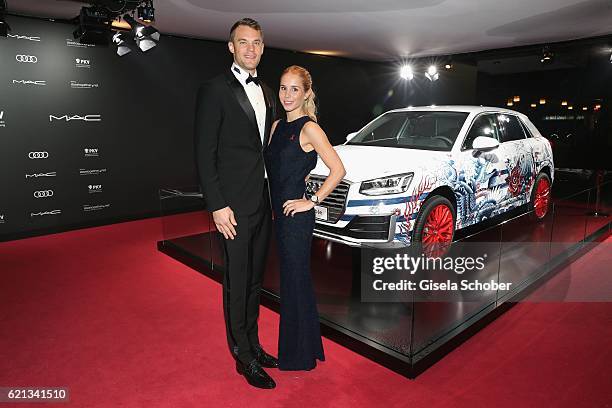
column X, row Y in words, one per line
column 413, row 130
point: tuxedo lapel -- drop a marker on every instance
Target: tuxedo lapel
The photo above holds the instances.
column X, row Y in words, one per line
column 269, row 112
column 244, row 102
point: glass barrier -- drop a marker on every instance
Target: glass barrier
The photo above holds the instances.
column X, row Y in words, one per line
column 516, row 251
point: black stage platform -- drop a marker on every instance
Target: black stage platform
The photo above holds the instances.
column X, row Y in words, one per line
column 410, row 335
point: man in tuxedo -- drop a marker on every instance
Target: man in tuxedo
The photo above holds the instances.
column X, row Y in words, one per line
column 233, row 118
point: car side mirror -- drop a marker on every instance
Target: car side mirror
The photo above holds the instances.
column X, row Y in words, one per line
column 350, row 136
column 484, row 143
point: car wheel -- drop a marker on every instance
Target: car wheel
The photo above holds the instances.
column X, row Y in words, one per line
column 435, row 226
column 540, row 196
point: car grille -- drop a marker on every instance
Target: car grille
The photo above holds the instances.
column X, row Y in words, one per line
column 335, row 202
column 375, row 227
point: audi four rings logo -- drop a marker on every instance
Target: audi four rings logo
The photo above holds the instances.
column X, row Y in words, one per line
column 43, row 194
column 38, row 155
column 26, row 58
column 68, row 118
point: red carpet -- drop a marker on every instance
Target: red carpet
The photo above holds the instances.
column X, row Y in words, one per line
column 102, row 312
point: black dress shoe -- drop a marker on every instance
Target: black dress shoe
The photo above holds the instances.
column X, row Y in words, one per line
column 265, row 359
column 255, row 375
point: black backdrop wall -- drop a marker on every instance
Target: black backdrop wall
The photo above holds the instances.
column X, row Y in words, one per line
column 88, row 138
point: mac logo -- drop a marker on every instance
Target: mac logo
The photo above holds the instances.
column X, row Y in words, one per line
column 23, row 37
column 43, row 213
column 37, row 175
column 29, row 82
column 69, row 118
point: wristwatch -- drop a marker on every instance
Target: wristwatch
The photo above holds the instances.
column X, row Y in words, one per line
column 314, row 199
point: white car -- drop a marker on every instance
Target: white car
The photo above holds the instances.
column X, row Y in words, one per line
column 419, row 174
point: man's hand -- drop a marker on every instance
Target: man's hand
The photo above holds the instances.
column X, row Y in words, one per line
column 225, row 222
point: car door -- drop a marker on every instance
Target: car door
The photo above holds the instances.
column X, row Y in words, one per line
column 519, row 162
column 480, row 182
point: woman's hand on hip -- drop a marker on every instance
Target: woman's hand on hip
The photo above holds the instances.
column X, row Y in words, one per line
column 295, row 206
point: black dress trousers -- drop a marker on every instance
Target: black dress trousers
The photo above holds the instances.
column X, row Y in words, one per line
column 245, row 261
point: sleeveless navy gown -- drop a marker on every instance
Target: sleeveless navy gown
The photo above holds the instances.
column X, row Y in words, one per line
column 287, row 164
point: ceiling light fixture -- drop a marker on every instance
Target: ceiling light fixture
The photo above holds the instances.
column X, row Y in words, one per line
column 146, row 11
column 432, row 73
column 121, row 41
column 94, row 26
column 547, row 55
column 146, row 37
column 406, row 72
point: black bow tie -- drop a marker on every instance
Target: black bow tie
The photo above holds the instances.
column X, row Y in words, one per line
column 252, row 79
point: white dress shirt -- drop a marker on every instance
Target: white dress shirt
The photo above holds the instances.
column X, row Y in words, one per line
column 256, row 97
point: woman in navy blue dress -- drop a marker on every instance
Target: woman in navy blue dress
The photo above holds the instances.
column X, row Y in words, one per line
column 291, row 155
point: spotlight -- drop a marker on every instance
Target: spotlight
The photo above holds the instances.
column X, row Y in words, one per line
column 146, row 12
column 533, row 105
column 406, row 72
column 94, row 26
column 563, row 103
column 121, row 41
column 448, row 63
column 547, row 55
column 542, row 101
column 432, row 73
column 4, row 27
column 146, row 37
column 516, row 99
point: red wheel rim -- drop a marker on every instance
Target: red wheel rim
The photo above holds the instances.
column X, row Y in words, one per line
column 439, row 226
column 542, row 198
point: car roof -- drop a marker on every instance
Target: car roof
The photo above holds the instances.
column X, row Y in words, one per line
column 456, row 108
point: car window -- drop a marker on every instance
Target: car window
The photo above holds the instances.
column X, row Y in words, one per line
column 413, row 129
column 387, row 127
column 484, row 125
column 526, row 129
column 511, row 128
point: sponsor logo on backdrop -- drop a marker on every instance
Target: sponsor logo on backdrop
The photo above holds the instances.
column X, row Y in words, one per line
column 44, row 213
column 27, row 59
column 29, row 82
column 82, row 63
column 37, row 175
column 1, row 218
column 98, row 207
column 43, row 194
column 38, row 155
column 89, row 152
column 71, row 43
column 92, row 172
column 78, row 85
column 71, row 118
column 94, row 188
column 2, row 122
column 23, row 37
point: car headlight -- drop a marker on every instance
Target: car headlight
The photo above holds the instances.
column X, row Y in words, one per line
column 386, row 185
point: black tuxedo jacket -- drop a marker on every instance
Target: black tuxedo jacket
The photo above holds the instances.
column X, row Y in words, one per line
column 229, row 150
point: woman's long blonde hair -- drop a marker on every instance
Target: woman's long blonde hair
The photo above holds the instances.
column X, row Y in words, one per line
column 310, row 103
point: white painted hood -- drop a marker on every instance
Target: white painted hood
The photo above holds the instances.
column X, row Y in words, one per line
column 368, row 162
